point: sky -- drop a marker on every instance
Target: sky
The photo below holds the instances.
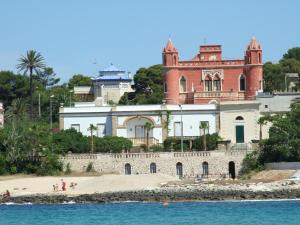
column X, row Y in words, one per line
column 85, row 36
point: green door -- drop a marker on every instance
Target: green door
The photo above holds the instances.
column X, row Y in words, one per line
column 239, row 133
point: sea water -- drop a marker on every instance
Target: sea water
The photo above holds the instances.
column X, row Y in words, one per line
column 180, row 213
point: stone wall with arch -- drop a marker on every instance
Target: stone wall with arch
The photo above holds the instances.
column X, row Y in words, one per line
column 165, row 162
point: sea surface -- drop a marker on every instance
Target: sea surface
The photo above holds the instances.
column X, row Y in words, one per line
column 180, row 213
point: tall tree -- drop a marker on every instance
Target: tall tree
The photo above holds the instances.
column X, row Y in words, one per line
column 32, row 62
column 204, row 126
column 48, row 77
column 79, row 80
column 92, row 128
column 148, row 127
column 148, row 86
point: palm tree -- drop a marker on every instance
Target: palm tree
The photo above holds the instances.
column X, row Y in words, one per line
column 262, row 121
column 92, row 128
column 148, row 126
column 32, row 62
column 204, row 126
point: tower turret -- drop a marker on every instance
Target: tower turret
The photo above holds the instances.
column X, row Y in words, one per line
column 171, row 73
column 254, row 69
column 170, row 54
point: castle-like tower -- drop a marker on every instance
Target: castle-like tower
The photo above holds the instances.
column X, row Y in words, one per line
column 208, row 78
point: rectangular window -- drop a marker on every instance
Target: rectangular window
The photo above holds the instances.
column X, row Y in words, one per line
column 217, row 85
column 201, row 127
column 208, row 85
column 177, row 129
column 139, row 132
column 76, row 127
column 101, row 130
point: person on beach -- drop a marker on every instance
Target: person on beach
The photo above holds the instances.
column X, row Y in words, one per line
column 63, row 185
column 6, row 194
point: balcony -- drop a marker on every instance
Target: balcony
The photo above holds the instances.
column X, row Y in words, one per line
column 136, row 141
column 219, row 94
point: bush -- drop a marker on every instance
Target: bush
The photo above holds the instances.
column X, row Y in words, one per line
column 68, row 169
column 251, row 163
column 90, row 167
column 70, row 140
column 156, row 148
column 2, row 165
column 112, row 144
column 50, row 165
column 172, row 143
column 211, row 142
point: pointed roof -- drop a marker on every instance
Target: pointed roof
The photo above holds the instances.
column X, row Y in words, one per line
column 253, row 45
column 170, row 47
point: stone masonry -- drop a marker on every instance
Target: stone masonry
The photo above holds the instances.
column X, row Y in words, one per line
column 192, row 162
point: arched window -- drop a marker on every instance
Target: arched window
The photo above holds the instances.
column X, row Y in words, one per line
column 175, row 60
column 182, row 84
column 179, row 170
column 164, row 59
column 259, row 57
column 152, row 168
column 127, row 169
column 242, row 83
column 208, row 83
column 165, row 87
column 217, row 83
column 205, row 169
column 239, row 118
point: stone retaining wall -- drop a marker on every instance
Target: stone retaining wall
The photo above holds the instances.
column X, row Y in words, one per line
column 218, row 162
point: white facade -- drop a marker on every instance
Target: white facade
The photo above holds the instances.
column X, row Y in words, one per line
column 129, row 121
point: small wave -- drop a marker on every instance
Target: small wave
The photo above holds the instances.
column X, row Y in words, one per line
column 14, row 203
column 69, row 203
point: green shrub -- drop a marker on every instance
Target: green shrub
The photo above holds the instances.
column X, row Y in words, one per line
column 156, row 148
column 50, row 165
column 68, row 169
column 2, row 165
column 211, row 142
column 13, row 170
column 90, row 167
column 251, row 163
column 112, row 144
column 70, row 140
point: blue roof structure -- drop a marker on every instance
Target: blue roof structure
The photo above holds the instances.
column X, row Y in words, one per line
column 112, row 73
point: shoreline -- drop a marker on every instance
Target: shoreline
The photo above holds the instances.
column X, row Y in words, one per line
column 160, row 195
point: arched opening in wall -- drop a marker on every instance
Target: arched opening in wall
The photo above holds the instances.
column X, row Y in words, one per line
column 179, row 169
column 242, row 83
column 183, row 84
column 205, row 169
column 259, row 57
column 217, row 83
column 175, row 60
column 152, row 168
column 164, row 59
column 165, row 87
column 239, row 118
column 136, row 130
column 127, row 169
column 208, row 83
column 239, row 130
column 231, row 169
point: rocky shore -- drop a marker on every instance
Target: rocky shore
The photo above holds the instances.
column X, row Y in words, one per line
column 160, row 195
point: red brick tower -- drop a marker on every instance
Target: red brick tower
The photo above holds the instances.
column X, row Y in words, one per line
column 171, row 74
column 254, row 66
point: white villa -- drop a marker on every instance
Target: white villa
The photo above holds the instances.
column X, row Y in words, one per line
column 236, row 122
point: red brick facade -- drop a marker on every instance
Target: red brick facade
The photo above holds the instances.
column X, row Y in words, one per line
column 208, row 78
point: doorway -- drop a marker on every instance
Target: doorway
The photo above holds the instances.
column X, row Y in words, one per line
column 239, row 134
column 231, row 169
column 179, row 170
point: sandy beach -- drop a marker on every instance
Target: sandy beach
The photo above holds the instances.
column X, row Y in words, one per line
column 85, row 185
